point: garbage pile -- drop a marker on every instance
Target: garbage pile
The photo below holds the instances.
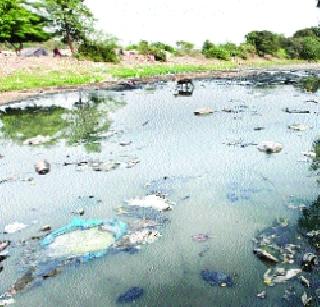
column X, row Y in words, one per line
column 290, row 260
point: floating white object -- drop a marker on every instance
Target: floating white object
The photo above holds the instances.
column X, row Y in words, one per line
column 151, row 201
column 299, row 127
column 16, row 226
column 270, row 147
column 38, row 140
column 203, row 111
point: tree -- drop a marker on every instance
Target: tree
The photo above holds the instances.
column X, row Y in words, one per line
column 265, row 42
column 70, row 19
column 184, row 47
column 19, row 24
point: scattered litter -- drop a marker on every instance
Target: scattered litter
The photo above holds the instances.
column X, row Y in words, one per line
column 264, row 255
column 200, row 237
column 4, row 245
column 83, row 238
column 299, row 127
column 216, row 278
column 5, row 302
column 139, row 238
column 105, row 166
column 130, row 296
column 305, row 299
column 262, row 294
column 270, row 147
column 125, row 143
column 309, row 261
column 203, row 111
column 42, row 167
column 310, row 154
column 155, row 201
column 79, row 212
column 45, row 228
column 38, row 140
column 279, row 275
column 287, row 110
column 16, row 226
column 305, row 281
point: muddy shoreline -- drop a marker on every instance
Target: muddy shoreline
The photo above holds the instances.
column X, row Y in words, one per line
column 17, row 96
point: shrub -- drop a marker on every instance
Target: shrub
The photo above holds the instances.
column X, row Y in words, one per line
column 310, row 49
column 265, row 42
column 246, row 50
column 98, row 50
column 217, row 51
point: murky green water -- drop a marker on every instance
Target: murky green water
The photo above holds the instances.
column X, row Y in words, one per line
column 227, row 191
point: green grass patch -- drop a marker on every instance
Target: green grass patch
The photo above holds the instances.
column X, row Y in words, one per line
column 23, row 80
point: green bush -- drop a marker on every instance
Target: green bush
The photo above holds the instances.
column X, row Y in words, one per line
column 281, row 53
column 266, row 42
column 310, row 49
column 218, row 52
column 246, row 50
column 158, row 50
column 98, row 50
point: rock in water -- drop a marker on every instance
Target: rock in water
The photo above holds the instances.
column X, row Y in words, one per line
column 130, row 296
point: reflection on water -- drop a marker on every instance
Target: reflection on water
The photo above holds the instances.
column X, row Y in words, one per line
column 80, row 124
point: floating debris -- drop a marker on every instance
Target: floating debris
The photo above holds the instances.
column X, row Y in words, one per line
column 305, row 299
column 155, row 201
column 130, row 296
column 299, row 127
column 264, row 255
column 203, row 111
column 270, row 147
column 42, row 167
column 200, row 237
column 216, row 278
column 262, row 294
column 14, row 227
column 38, row 140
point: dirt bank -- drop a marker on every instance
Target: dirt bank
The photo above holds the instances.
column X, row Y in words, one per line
column 14, row 96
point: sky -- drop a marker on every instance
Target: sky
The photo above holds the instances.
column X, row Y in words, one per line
column 217, row 20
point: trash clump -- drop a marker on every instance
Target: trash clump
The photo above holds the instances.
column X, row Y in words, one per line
column 130, row 295
column 42, row 167
column 155, row 201
column 87, row 239
column 299, row 127
column 270, row 147
column 38, row 140
column 216, row 278
column 14, row 227
column 203, row 111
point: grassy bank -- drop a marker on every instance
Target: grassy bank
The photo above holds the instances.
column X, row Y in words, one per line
column 43, row 78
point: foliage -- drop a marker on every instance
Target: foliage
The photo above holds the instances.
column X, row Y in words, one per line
column 310, row 84
column 155, row 49
column 184, row 48
column 98, row 49
column 281, row 53
column 246, row 50
column 266, row 42
column 19, row 23
column 70, row 19
column 25, row 80
column 308, row 32
column 310, row 49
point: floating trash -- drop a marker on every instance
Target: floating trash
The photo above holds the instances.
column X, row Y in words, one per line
column 200, row 237
column 270, row 147
column 216, row 278
column 155, row 201
column 299, row 127
column 203, row 111
column 130, row 295
column 89, row 239
column 14, row 227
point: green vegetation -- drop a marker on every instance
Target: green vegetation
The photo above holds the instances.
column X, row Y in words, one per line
column 70, row 19
column 101, row 49
column 310, row 84
column 19, row 24
column 24, row 80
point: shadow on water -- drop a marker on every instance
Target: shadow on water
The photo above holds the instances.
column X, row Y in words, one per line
column 82, row 124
